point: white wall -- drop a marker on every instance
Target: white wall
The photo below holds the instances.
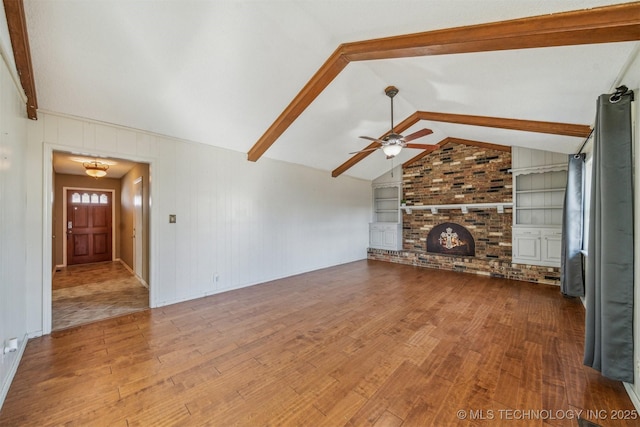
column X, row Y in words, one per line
column 245, row 222
column 13, row 147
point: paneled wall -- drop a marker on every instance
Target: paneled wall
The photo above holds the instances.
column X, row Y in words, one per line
column 239, row 222
column 13, row 229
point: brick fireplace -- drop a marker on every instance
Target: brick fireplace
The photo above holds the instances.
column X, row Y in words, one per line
column 462, row 174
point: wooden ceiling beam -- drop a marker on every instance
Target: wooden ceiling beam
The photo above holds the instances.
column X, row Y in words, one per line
column 17, row 24
column 607, row 24
column 599, row 25
column 601, row 35
column 555, row 128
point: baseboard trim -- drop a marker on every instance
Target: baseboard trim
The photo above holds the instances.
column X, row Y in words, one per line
column 13, row 359
column 55, row 269
column 125, row 265
column 140, row 279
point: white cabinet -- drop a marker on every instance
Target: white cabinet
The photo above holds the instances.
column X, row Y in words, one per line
column 385, row 232
column 385, row 235
column 537, row 246
column 539, row 181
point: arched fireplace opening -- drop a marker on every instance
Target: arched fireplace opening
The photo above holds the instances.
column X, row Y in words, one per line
column 449, row 238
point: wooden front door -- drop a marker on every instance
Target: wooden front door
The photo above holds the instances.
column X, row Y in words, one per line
column 88, row 226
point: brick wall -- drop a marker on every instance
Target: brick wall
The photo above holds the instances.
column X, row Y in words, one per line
column 455, row 174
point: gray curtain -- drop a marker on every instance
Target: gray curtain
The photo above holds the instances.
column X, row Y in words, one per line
column 609, row 273
column 571, row 271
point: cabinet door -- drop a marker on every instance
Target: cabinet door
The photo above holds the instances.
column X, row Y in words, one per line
column 526, row 246
column 390, row 237
column 376, row 237
column 551, row 246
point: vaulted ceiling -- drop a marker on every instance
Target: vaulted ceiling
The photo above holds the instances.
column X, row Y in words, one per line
column 223, row 72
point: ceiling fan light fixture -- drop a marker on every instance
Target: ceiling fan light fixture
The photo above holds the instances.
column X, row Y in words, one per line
column 391, row 150
column 392, row 143
column 95, row 169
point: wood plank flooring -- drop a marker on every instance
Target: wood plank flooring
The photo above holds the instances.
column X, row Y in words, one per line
column 362, row 344
column 88, row 292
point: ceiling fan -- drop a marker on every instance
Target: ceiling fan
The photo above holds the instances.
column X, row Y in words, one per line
column 392, row 143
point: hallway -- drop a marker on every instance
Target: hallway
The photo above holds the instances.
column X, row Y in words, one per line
column 89, row 292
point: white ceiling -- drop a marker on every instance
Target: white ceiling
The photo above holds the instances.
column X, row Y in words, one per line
column 220, row 72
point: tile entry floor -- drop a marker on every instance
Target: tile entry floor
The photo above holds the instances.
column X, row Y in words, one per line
column 89, row 292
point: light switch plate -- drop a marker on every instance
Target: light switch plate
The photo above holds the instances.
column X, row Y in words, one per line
column 172, row 219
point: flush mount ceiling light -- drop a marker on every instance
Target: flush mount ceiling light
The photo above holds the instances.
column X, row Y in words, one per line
column 95, row 169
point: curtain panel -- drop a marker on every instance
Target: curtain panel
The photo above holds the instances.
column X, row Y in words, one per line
column 609, row 269
column 571, row 266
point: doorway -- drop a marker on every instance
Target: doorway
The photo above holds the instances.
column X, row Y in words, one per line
column 101, row 256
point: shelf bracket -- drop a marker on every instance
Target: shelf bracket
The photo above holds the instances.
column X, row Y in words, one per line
column 434, row 210
column 500, row 208
column 464, row 209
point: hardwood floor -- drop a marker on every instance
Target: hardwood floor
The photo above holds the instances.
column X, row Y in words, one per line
column 88, row 292
column 365, row 343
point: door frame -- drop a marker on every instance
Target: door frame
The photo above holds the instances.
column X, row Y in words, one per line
column 139, row 235
column 47, row 222
column 64, row 219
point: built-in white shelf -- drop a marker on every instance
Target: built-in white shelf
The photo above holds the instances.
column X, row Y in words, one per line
column 385, row 232
column 539, row 169
column 540, row 190
column 464, row 207
column 541, row 207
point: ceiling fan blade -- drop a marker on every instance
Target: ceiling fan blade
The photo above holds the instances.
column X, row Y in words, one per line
column 365, row 150
column 372, row 139
column 422, row 146
column 418, row 134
